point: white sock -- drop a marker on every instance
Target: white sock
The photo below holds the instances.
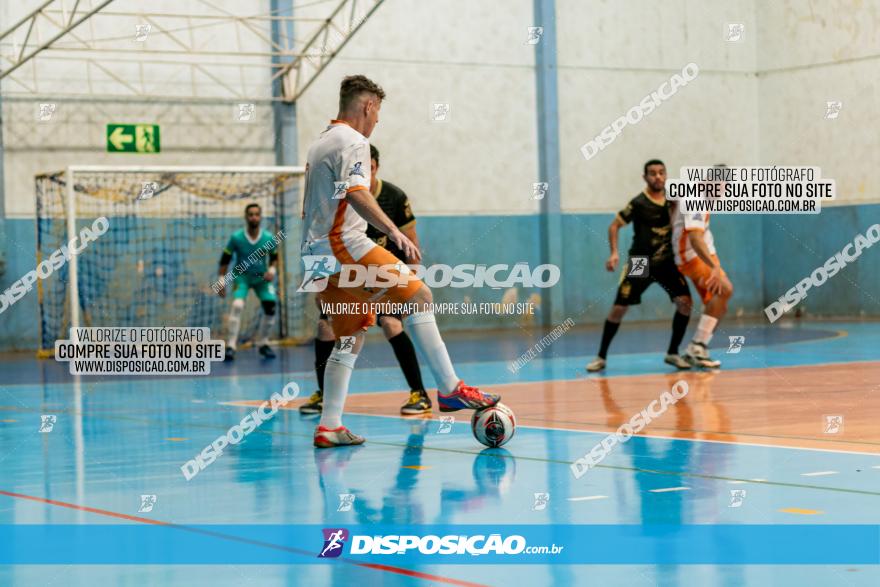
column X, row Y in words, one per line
column 705, row 328
column 425, row 334
column 337, row 375
column 235, row 322
column 266, row 324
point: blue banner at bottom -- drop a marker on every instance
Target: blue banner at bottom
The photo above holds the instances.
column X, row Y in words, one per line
column 168, row 544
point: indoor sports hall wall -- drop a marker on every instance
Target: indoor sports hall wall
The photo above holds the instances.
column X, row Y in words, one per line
column 612, row 55
column 830, row 57
column 607, row 64
column 203, row 131
column 482, row 159
column 194, row 134
column 470, row 177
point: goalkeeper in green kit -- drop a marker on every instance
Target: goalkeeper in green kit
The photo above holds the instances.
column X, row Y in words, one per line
column 256, row 259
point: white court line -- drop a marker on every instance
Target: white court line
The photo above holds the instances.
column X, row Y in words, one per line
column 819, row 474
column 587, row 498
column 665, row 489
column 294, row 375
column 237, row 403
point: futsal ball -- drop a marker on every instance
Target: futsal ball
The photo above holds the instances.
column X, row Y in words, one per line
column 494, row 426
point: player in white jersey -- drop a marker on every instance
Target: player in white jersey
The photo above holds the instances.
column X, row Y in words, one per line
column 337, row 207
column 336, row 159
column 695, row 256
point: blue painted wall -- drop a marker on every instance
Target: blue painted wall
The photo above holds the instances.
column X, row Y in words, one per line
column 20, row 324
column 485, row 240
column 764, row 256
column 796, row 245
column 590, row 289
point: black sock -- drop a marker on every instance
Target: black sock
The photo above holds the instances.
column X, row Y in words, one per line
column 323, row 348
column 409, row 362
column 679, row 327
column 607, row 334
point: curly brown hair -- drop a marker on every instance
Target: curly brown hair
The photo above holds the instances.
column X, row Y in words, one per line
column 353, row 86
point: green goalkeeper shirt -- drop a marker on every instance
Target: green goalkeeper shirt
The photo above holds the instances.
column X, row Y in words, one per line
column 251, row 257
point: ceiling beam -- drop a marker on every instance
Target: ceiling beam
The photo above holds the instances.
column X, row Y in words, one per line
column 327, row 41
column 30, row 49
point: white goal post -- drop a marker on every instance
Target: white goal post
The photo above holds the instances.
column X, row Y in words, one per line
column 189, row 207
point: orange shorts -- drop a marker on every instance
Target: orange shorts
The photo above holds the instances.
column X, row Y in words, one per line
column 357, row 302
column 699, row 272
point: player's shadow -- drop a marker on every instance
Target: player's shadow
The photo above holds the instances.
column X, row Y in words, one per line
column 493, row 471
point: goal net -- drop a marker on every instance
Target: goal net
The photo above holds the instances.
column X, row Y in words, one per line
column 156, row 265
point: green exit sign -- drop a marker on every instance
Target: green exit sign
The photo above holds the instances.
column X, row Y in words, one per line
column 133, row 138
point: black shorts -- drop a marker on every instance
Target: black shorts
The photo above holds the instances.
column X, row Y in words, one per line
column 398, row 316
column 630, row 291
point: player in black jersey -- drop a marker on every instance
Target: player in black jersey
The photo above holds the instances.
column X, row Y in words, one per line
column 650, row 260
column 395, row 204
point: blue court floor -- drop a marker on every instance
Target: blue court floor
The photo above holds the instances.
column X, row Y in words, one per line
column 116, row 440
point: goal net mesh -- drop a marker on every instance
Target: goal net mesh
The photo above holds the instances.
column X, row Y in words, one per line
column 156, row 264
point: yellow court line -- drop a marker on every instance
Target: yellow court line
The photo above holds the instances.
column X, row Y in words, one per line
column 801, row 511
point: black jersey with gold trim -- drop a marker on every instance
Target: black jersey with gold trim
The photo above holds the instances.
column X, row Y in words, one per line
column 652, row 230
column 395, row 204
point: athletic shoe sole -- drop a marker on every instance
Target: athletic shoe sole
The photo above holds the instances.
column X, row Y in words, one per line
column 444, row 408
column 677, row 365
column 593, row 369
column 696, row 362
column 415, row 411
column 324, row 442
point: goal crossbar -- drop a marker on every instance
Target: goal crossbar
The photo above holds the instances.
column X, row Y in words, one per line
column 70, row 201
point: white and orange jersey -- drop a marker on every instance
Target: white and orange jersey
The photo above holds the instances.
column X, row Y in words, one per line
column 338, row 164
column 682, row 224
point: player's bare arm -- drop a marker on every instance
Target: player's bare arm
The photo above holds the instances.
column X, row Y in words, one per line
column 614, row 257
column 410, row 233
column 365, row 204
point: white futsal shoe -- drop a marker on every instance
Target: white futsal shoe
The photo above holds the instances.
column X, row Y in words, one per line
column 677, row 361
column 697, row 354
column 330, row 438
column 597, row 364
